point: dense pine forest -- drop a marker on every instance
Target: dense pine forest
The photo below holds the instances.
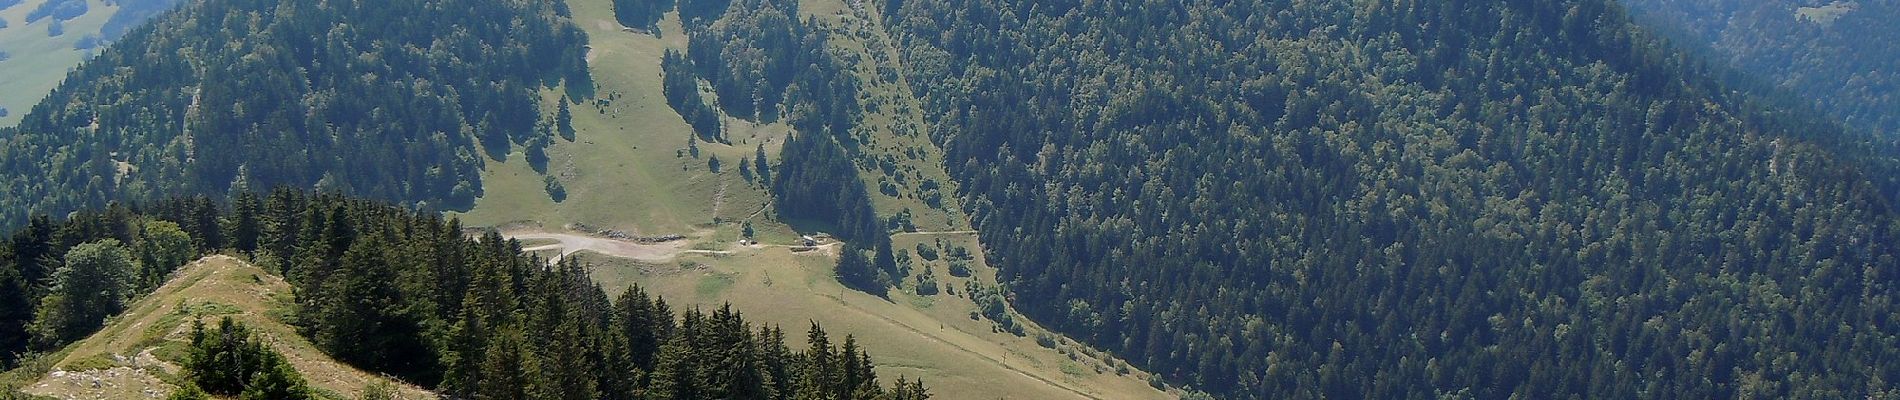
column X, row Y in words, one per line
column 1836, row 55
column 361, row 96
column 411, row 295
column 1409, row 199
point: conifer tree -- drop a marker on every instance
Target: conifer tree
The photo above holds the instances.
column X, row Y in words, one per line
column 245, row 225
column 16, row 310
column 761, row 166
column 204, row 225
column 279, row 225
column 366, row 321
column 564, row 121
column 675, row 370
column 32, row 252
column 508, row 372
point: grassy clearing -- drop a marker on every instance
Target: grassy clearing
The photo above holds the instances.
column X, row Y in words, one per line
column 628, row 167
column 37, row 62
column 139, row 352
column 1827, row 14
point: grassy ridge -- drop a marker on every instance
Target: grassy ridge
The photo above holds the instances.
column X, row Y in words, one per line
column 140, row 351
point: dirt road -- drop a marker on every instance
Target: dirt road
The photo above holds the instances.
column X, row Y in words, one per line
column 945, row 233
column 571, row 243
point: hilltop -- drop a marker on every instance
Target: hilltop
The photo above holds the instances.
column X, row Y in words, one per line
column 138, row 355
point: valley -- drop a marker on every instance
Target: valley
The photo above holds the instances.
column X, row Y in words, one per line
column 629, row 168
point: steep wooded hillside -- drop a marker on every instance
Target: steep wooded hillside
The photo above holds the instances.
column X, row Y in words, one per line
column 1396, row 199
column 395, row 100
column 1838, row 56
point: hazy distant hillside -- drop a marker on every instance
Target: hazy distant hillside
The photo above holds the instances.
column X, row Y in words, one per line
column 1353, row 199
column 40, row 40
column 1840, row 55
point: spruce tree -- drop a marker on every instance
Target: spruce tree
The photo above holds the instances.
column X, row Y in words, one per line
column 885, row 261
column 564, row 121
column 16, row 309
column 760, row 165
column 508, row 373
column 635, row 311
column 32, row 253
column 204, row 225
column 366, row 321
column 280, row 224
column 618, row 378
column 464, row 361
column 244, row 226
column 817, row 374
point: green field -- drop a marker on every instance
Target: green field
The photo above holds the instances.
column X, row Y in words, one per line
column 37, row 62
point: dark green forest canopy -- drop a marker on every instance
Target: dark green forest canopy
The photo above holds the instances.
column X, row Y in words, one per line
column 396, row 100
column 1839, row 56
column 1407, row 199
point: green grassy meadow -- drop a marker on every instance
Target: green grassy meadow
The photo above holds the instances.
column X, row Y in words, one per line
column 37, row 62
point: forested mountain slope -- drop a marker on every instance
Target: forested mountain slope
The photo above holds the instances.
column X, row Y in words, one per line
column 1837, row 55
column 396, row 100
column 1397, row 199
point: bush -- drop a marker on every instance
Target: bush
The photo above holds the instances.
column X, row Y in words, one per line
column 960, row 269
column 927, row 283
column 233, row 362
column 1045, row 340
column 929, row 253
